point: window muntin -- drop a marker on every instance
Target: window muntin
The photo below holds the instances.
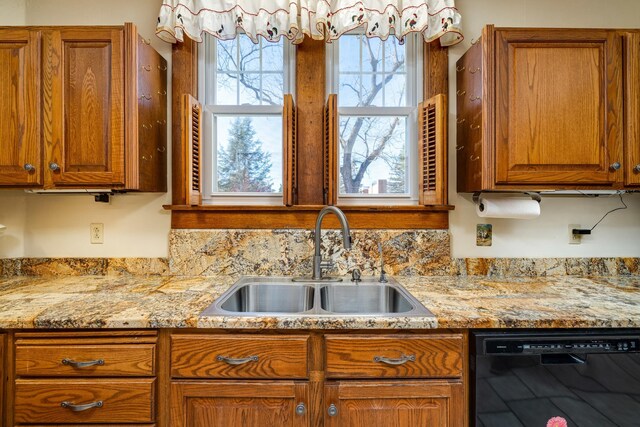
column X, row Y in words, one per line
column 243, row 88
column 378, row 92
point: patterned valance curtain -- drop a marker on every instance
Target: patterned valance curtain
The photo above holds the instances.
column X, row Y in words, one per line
column 318, row 19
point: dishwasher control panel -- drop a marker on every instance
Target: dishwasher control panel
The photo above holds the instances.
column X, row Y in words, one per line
column 563, row 345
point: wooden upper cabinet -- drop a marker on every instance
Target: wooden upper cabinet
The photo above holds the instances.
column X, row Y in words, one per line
column 555, row 96
column 632, row 110
column 84, row 96
column 85, row 108
column 20, row 152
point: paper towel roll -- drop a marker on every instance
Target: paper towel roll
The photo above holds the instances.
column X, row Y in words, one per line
column 507, row 207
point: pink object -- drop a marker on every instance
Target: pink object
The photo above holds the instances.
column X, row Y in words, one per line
column 557, row 422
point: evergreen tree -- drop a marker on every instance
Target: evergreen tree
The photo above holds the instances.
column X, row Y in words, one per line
column 397, row 178
column 243, row 166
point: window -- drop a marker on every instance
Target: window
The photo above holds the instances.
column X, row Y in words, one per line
column 243, row 91
column 378, row 83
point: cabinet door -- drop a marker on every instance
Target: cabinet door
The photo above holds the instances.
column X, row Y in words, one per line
column 394, row 403
column 83, row 93
column 239, row 404
column 20, row 152
column 632, row 106
column 558, row 107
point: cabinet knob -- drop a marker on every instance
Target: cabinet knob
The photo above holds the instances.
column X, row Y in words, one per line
column 29, row 167
column 332, row 411
column 637, row 168
column 615, row 166
column 301, row 409
column 54, row 166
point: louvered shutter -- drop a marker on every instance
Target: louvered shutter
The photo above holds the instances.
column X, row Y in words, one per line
column 290, row 152
column 330, row 154
column 192, row 131
column 432, row 146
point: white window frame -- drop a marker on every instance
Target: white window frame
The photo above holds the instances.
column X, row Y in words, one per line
column 414, row 72
column 210, row 110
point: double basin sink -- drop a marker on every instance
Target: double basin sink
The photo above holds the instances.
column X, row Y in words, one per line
column 264, row 296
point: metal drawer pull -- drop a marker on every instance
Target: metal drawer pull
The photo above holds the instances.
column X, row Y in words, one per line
column 75, row 364
column 462, row 120
column 637, row 168
column 233, row 361
column 460, row 92
column 459, row 147
column 459, row 69
column 79, row 408
column 474, row 98
column 474, row 70
column 400, row 361
column 146, row 67
column 474, row 126
column 145, row 41
column 147, row 97
column 162, row 67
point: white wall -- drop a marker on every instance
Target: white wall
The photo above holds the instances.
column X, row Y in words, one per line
column 546, row 236
column 136, row 225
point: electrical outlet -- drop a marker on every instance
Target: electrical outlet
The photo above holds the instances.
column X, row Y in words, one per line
column 96, row 233
column 574, row 239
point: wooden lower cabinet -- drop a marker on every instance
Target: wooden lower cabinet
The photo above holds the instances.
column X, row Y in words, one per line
column 239, row 404
column 394, row 403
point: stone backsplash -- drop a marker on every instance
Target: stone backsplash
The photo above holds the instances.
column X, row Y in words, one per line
column 290, row 252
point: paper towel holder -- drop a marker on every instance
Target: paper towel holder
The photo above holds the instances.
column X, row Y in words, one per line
column 533, row 195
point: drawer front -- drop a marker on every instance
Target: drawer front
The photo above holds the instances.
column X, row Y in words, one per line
column 123, row 401
column 85, row 360
column 250, row 356
column 399, row 356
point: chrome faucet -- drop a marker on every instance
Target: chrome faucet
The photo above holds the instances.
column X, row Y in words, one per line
column 318, row 265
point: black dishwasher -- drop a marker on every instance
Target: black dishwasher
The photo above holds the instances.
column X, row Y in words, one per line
column 591, row 378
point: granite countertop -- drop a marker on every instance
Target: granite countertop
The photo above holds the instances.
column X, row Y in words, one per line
column 457, row 302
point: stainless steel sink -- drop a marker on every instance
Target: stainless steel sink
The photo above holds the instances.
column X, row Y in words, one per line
column 260, row 296
column 372, row 299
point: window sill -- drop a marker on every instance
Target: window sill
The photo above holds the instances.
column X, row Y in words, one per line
column 277, row 217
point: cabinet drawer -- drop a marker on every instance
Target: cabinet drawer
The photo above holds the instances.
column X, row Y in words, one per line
column 250, row 356
column 101, row 360
column 399, row 356
column 123, row 401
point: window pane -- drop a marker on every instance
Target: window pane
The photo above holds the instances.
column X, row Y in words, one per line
column 249, row 73
column 226, row 55
column 373, row 155
column 227, row 88
column 371, row 72
column 249, row 154
column 349, row 50
column 272, row 56
column 249, row 89
column 349, row 90
column 249, row 54
column 371, row 54
column 272, row 89
column 395, row 91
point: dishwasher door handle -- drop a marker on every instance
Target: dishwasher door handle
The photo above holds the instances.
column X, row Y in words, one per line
column 562, row 359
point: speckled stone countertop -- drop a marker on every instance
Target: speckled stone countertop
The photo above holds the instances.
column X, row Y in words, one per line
column 457, row 302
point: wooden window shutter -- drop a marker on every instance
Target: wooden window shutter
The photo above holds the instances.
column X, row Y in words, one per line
column 432, row 146
column 290, row 152
column 192, row 131
column 330, row 154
